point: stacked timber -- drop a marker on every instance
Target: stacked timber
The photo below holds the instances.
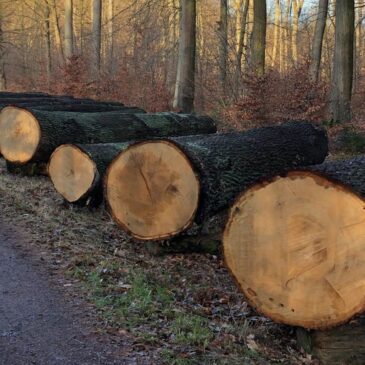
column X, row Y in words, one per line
column 156, row 189
column 77, row 170
column 30, row 135
column 296, row 244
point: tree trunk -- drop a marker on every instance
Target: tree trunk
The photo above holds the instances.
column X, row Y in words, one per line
column 185, row 80
column 2, row 52
column 316, row 53
column 241, row 36
column 343, row 61
column 297, row 10
column 258, row 40
column 277, row 33
column 47, row 38
column 48, row 130
column 223, row 42
column 69, row 47
column 296, row 244
column 157, row 189
column 110, row 9
column 96, row 36
column 338, row 346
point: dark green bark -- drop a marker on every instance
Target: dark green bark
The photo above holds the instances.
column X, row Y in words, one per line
column 229, row 164
column 64, row 127
column 87, row 108
column 341, row 345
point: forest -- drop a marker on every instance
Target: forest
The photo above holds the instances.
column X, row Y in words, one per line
column 245, row 62
column 182, row 182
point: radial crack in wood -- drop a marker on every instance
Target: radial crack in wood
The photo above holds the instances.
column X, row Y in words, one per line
column 164, row 193
column 296, row 247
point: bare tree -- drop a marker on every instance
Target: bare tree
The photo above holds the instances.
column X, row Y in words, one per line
column 316, row 53
column 2, row 51
column 185, row 80
column 343, row 61
column 277, row 34
column 258, row 40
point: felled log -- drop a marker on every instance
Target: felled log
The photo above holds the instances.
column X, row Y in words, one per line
column 85, row 108
column 10, row 94
column 338, row 346
column 157, row 189
column 31, row 135
column 76, row 171
column 296, row 244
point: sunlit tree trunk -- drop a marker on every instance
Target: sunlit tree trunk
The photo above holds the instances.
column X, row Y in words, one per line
column 96, row 36
column 316, row 53
column 343, row 61
column 277, row 25
column 241, row 31
column 47, row 39
column 258, row 40
column 57, row 30
column 223, row 42
column 185, row 80
column 110, row 27
column 68, row 29
column 2, row 52
column 359, row 41
column 297, row 10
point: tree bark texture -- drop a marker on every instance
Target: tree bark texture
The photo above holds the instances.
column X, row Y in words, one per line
column 258, row 40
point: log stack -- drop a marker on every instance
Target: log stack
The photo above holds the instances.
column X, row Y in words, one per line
column 156, row 189
column 30, row 135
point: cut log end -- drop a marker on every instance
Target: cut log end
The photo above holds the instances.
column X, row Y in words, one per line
column 152, row 190
column 296, row 247
column 20, row 134
column 72, row 172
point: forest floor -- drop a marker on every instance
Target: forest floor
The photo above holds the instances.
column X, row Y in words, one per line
column 172, row 309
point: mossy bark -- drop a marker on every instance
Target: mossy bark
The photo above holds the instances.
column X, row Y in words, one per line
column 64, row 127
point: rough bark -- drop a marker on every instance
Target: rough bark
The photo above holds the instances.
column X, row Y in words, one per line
column 68, row 29
column 185, row 80
column 204, row 177
column 338, row 346
column 258, row 40
column 229, row 164
column 316, row 52
column 64, row 127
column 343, row 61
column 87, row 108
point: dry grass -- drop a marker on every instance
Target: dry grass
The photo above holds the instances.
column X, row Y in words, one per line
column 180, row 309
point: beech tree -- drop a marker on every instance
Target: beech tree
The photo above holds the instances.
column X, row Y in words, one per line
column 343, row 63
column 185, row 80
column 316, row 53
column 258, row 40
column 68, row 29
column 96, row 34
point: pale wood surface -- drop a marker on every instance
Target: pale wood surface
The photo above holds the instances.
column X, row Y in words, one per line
column 72, row 172
column 20, row 134
column 296, row 247
column 152, row 190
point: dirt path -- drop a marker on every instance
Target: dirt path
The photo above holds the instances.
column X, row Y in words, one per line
column 37, row 325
